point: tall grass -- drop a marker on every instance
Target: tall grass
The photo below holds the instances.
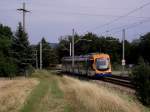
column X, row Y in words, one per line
column 13, row 93
column 46, row 96
column 65, row 94
column 92, row 98
column 35, row 97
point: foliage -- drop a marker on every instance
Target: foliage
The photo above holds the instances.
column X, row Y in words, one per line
column 91, row 43
column 141, row 80
column 29, row 70
column 49, row 56
column 133, row 52
column 22, row 51
column 16, row 53
column 7, row 67
column 109, row 45
column 63, row 47
column 7, row 64
column 144, row 47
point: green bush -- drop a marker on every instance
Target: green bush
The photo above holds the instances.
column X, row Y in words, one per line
column 7, row 67
column 141, row 80
column 30, row 69
column 116, row 66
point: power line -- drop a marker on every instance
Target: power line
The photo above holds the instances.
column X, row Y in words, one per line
column 128, row 27
column 139, row 34
column 133, row 25
column 127, row 14
column 89, row 14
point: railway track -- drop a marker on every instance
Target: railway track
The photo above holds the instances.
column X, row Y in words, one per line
column 119, row 80
column 124, row 81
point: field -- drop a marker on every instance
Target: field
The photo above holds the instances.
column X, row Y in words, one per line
column 54, row 93
column 13, row 93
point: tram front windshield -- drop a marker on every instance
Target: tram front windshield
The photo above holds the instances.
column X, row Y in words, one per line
column 102, row 63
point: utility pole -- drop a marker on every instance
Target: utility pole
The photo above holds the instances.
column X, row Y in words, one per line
column 24, row 11
column 40, row 55
column 36, row 59
column 72, row 49
column 123, row 50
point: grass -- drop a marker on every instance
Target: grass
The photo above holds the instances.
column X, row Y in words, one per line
column 47, row 96
column 14, row 92
column 65, row 94
column 68, row 108
column 55, row 90
column 35, row 97
column 88, row 97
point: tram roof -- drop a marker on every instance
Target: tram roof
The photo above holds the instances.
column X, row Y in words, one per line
column 83, row 57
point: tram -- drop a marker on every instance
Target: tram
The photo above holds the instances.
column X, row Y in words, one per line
column 94, row 65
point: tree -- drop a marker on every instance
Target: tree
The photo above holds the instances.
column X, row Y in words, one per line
column 63, row 47
column 49, row 56
column 5, row 39
column 144, row 47
column 97, row 44
column 113, row 47
column 22, row 50
column 133, row 52
column 141, row 80
column 7, row 64
column 109, row 45
column 85, row 47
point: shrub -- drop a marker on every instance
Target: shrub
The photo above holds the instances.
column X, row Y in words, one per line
column 141, row 80
column 7, row 67
column 29, row 70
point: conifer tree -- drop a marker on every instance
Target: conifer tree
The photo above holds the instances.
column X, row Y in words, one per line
column 22, row 49
column 7, row 64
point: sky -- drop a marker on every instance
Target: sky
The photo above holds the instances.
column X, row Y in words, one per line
column 55, row 18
